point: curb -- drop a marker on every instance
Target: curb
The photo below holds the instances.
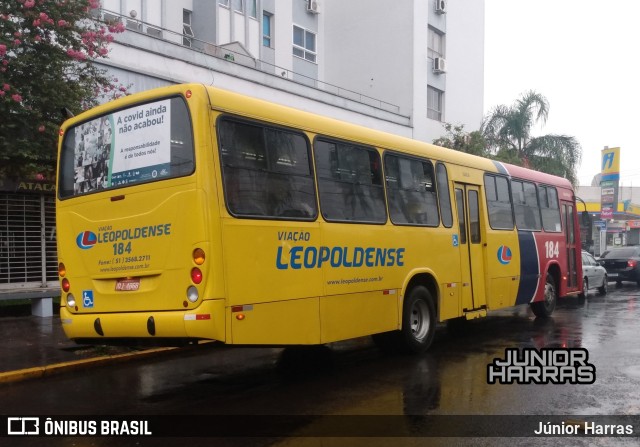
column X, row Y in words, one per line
column 57, row 368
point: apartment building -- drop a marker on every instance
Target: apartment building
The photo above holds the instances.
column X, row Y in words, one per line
column 404, row 67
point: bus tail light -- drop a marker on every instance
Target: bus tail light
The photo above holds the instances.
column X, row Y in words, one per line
column 66, row 285
column 198, row 256
column 192, row 294
column 196, row 275
column 62, row 270
column 632, row 263
column 71, row 300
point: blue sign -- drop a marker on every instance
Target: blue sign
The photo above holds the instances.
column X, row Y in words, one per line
column 602, row 224
column 87, row 298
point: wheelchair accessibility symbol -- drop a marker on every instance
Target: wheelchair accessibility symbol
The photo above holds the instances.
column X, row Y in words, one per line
column 87, row 298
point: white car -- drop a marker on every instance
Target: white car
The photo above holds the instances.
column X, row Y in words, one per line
column 594, row 276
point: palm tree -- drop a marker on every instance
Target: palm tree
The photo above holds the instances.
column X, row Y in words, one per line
column 507, row 131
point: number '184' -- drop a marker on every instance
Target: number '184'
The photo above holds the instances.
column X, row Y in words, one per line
column 552, row 249
column 120, row 248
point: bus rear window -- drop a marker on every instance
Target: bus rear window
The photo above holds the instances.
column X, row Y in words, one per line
column 147, row 142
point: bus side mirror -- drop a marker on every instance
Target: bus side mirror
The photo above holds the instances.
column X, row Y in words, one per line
column 586, row 219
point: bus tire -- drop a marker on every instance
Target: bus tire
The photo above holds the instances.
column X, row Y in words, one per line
column 418, row 326
column 545, row 308
column 418, row 321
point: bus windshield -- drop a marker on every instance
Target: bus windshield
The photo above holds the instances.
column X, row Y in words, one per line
column 147, row 142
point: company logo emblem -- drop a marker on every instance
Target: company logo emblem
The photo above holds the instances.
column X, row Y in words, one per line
column 504, row 255
column 86, row 240
column 23, row 426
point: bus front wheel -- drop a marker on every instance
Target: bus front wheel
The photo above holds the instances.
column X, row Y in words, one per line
column 545, row 308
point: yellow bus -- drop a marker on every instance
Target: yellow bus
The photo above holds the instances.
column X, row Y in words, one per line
column 189, row 213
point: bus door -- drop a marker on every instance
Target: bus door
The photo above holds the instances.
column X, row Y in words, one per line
column 470, row 245
column 572, row 252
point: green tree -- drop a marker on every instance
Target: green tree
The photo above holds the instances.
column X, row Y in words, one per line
column 48, row 50
column 469, row 142
column 507, row 131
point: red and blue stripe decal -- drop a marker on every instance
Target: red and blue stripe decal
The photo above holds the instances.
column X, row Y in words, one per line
column 529, row 259
column 529, row 267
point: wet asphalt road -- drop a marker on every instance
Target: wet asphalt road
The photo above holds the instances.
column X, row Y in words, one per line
column 354, row 378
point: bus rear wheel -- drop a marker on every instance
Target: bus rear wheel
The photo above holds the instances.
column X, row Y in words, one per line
column 545, row 308
column 418, row 321
column 418, row 325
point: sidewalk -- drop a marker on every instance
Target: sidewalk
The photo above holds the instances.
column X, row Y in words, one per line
column 32, row 347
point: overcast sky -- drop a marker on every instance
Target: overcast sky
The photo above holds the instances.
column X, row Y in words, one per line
column 584, row 57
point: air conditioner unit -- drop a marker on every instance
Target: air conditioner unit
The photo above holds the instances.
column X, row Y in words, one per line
column 439, row 65
column 153, row 31
column 441, row 6
column 134, row 25
column 312, row 7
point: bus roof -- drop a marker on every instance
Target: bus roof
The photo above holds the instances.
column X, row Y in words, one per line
column 250, row 107
column 537, row 176
column 236, row 103
column 231, row 102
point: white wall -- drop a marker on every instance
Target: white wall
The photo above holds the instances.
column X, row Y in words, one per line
column 379, row 48
column 423, row 128
column 224, row 26
column 368, row 48
column 238, row 27
column 254, row 36
column 376, row 48
column 465, row 63
column 166, row 62
column 133, row 5
column 173, row 18
column 152, row 12
column 283, row 32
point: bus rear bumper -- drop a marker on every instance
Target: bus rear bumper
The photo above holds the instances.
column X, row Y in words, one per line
column 204, row 322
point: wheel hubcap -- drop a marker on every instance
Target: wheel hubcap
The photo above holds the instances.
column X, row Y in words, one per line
column 420, row 320
column 549, row 294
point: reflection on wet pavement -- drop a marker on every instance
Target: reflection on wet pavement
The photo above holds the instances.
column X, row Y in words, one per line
column 354, row 378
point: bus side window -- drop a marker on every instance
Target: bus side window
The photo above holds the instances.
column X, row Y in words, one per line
column 550, row 209
column 474, row 218
column 498, row 202
column 525, row 205
column 462, row 224
column 411, row 191
column 349, row 182
column 266, row 172
column 444, row 198
column 291, row 192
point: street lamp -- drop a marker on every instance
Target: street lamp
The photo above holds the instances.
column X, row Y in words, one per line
column 587, row 224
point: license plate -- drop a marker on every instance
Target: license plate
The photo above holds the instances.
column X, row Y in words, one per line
column 613, row 275
column 128, row 284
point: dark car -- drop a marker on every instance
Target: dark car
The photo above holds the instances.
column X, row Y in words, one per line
column 595, row 276
column 622, row 264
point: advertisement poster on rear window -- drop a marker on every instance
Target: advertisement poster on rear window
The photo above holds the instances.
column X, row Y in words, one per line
column 130, row 146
